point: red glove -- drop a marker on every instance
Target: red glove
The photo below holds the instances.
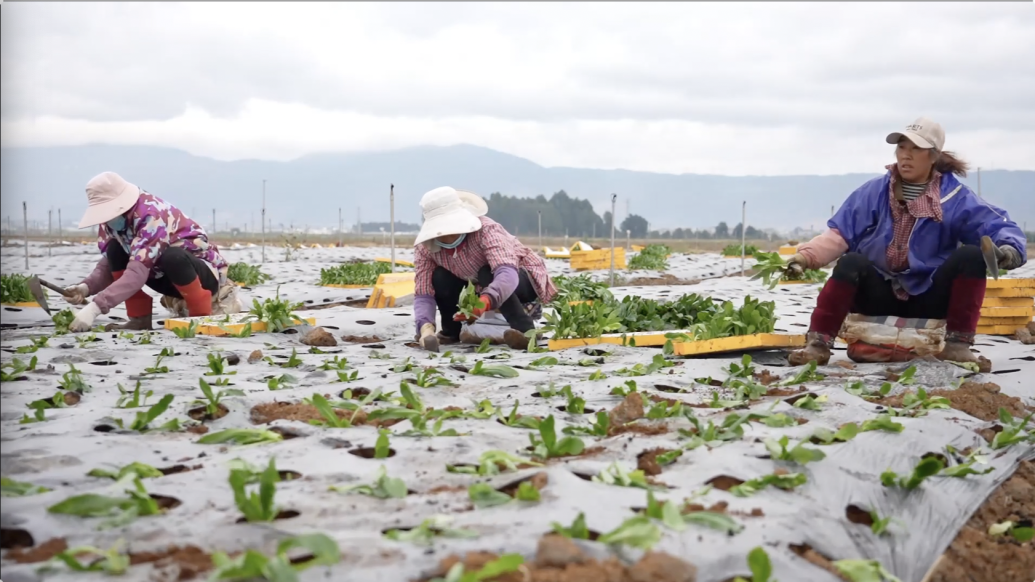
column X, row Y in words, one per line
column 477, row 312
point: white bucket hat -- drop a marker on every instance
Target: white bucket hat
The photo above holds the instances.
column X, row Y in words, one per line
column 474, row 203
column 446, row 213
column 109, row 195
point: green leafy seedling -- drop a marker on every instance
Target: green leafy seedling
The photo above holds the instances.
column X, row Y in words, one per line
column 256, row 506
column 547, row 446
column 928, row 467
column 11, row 488
column 383, row 487
column 241, row 436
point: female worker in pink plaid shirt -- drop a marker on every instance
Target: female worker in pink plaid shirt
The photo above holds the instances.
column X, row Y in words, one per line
column 907, row 245
column 458, row 244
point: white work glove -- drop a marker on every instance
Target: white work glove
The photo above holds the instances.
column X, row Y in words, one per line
column 77, row 294
column 1011, row 259
column 797, row 263
column 84, row 319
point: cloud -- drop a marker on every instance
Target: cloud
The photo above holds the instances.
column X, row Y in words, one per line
column 682, row 87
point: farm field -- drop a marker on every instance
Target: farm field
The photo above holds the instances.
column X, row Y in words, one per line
column 832, row 471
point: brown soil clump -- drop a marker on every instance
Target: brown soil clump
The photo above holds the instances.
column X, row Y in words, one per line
column 765, row 377
column 647, row 461
column 781, row 392
column 446, row 489
column 255, row 356
column 185, row 563
column 539, row 481
column 270, row 411
column 650, row 429
column 724, row 482
column 361, row 339
column 629, row 410
column 975, row 555
column 197, row 429
column 559, row 559
column 319, row 337
column 719, row 507
column 815, row 558
column 978, row 400
column 40, row 553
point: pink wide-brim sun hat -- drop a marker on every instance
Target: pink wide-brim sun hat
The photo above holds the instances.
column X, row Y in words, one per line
column 108, row 196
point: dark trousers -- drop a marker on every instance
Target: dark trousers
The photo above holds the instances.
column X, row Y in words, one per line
column 180, row 268
column 955, row 295
column 447, row 295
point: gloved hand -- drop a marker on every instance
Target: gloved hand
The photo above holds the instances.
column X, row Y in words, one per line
column 84, row 319
column 1010, row 259
column 77, row 294
column 477, row 312
column 797, row 263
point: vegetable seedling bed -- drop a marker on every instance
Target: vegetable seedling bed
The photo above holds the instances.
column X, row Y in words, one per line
column 222, row 325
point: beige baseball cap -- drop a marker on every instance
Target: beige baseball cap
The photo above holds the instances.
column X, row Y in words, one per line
column 924, row 132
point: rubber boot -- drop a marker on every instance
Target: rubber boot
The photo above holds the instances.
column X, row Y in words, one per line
column 428, row 340
column 817, row 349
column 515, row 339
column 198, row 299
column 138, row 309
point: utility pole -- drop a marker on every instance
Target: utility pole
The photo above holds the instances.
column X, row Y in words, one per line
column 391, row 198
column 614, row 199
column 263, row 221
column 25, row 218
column 540, row 212
column 743, row 237
column 359, row 221
column 50, row 216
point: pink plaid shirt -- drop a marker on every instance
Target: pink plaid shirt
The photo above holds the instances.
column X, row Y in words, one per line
column 904, row 216
column 492, row 246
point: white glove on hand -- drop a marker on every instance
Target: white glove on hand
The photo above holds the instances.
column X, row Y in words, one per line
column 77, row 294
column 797, row 263
column 1011, row 259
column 84, row 319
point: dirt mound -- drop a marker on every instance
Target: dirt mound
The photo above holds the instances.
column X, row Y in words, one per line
column 978, row 400
column 270, row 411
column 40, row 553
column 185, row 563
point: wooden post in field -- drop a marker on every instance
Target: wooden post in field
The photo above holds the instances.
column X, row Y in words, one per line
column 391, row 199
column 263, row 220
column 614, row 198
column 25, row 218
column 743, row 237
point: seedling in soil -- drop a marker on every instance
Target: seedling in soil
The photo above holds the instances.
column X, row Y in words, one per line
column 11, row 488
column 84, row 341
column 667, row 512
column 925, row 468
column 494, row 463
column 145, row 338
column 420, row 428
column 141, row 470
column 965, row 466
column 241, row 436
column 381, row 448
column 375, row 355
column 917, row 403
column 626, row 389
column 882, row 422
column 142, row 420
column 293, row 362
column 546, row 446
column 785, row 481
column 732, row 428
column 482, row 495
column 483, row 409
column 657, row 364
column 320, row 550
column 760, row 566
column 213, row 399
column 330, row 416
column 800, row 454
column 748, row 390
column 544, row 362
column 38, row 414
column 717, row 402
column 1020, row 532
column 825, row 436
column 217, row 366
column 484, row 347
column 493, row 370
column 470, row 300
column 774, row 419
column 383, row 487
column 256, row 506
column 335, row 363
column 158, row 368
column 346, row 377
column 636, row 532
column 505, row 564
column 17, row 367
column 62, row 319
column 577, row 530
column 137, row 503
column 1013, row 431
column 810, row 402
column 132, row 399
column 111, row 561
column 619, row 477
column 600, row 426
column 806, row 374
column 276, row 313
column 430, row 378
column 37, row 343
column 663, row 409
column 246, row 331
column 864, row 571
column 428, row 530
column 576, row 404
column 597, row 376
column 281, row 382
column 550, row 392
column 187, row 332
column 859, row 389
column 72, row 380
column 744, row 370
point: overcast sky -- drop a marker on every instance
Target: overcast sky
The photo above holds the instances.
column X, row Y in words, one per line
column 732, row 88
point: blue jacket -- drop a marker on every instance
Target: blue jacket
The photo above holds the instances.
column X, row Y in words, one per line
column 865, row 222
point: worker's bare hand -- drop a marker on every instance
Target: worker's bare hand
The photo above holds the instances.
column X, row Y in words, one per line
column 76, row 294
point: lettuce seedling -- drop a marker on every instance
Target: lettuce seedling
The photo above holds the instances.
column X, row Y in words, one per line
column 123, row 510
column 37, row 343
column 281, row 382
column 17, row 367
column 73, row 381
column 864, row 571
column 217, row 365
column 515, row 420
column 577, row 530
column 505, row 564
column 494, row 463
column 600, row 427
column 798, row 454
column 132, row 399
column 546, row 446
column 329, row 414
column 785, row 481
column 383, row 487
column 142, row 420
column 428, row 530
column 1021, row 533
column 760, row 565
column 925, row 468
column 859, row 389
column 544, row 362
column 636, row 532
column 187, row 332
column 240, row 436
column 616, row 475
column 882, row 422
column 11, row 488
column 141, row 470
column 493, row 370
column 430, row 378
column 319, row 550
column 213, row 399
column 111, row 561
column 483, row 495
column 256, row 506
column 1013, row 430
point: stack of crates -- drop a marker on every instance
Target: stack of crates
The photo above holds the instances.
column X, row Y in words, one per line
column 1009, row 305
column 597, row 260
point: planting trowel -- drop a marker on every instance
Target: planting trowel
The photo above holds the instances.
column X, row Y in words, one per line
column 36, row 288
column 992, row 254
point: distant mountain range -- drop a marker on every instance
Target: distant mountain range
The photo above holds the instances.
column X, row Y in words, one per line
column 309, row 191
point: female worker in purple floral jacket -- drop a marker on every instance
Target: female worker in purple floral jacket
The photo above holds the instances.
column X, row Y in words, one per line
column 906, row 245
column 145, row 240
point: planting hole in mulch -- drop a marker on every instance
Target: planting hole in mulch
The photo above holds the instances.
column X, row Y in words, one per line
column 103, row 428
column 336, row 443
column 596, row 353
column 356, row 393
column 200, row 413
column 584, row 411
column 724, row 482
column 1025, row 359
column 366, row 322
column 177, row 469
column 361, row 339
column 14, row 309
column 375, row 346
column 104, row 363
column 188, row 561
column 15, row 538
column 665, row 388
column 648, row 463
column 1007, row 371
column 283, row 514
column 813, row 557
column 856, row 514
column 40, row 553
column 642, row 428
column 284, row 433
column 165, row 502
column 368, row 452
column 539, row 481
column 798, row 397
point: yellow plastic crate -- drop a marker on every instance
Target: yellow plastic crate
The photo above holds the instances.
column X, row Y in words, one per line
column 23, row 304
column 1007, row 312
column 644, row 339
column 1016, row 321
column 398, row 263
column 760, row 341
column 998, row 329
column 788, row 250
column 389, row 288
column 214, row 328
column 1008, row 302
column 597, row 260
column 1008, row 292
column 1012, row 284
